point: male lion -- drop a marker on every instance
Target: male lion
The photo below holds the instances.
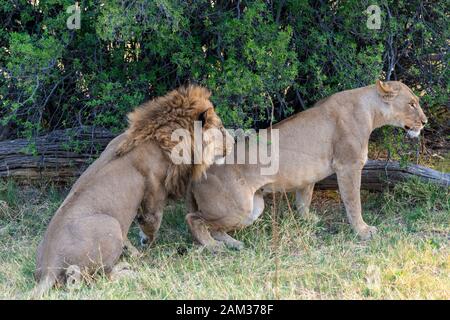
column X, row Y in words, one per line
column 89, row 230
column 332, row 137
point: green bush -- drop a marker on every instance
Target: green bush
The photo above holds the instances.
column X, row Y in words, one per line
column 254, row 55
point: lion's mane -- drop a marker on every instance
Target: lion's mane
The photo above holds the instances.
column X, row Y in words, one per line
column 156, row 120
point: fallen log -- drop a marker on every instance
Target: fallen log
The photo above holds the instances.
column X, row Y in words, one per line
column 58, row 156
column 64, row 154
column 377, row 175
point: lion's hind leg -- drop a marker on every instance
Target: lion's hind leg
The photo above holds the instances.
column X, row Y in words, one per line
column 227, row 239
column 200, row 233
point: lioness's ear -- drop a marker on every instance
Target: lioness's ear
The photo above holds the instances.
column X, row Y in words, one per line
column 385, row 90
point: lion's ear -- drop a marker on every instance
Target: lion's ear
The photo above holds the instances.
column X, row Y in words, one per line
column 385, row 90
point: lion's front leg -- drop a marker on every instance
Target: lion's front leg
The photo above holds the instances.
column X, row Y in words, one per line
column 349, row 181
column 130, row 249
column 149, row 223
column 152, row 212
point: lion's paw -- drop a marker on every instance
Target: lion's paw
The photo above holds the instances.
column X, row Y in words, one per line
column 73, row 277
column 217, row 247
column 143, row 239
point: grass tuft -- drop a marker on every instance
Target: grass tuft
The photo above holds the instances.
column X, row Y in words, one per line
column 409, row 259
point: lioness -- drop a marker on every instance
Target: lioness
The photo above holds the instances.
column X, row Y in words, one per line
column 332, row 137
column 89, row 230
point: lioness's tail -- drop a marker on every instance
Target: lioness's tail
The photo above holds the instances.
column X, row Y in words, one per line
column 46, row 283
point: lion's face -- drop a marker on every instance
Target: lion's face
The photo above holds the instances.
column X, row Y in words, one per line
column 405, row 110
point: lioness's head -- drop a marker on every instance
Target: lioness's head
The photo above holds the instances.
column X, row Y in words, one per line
column 216, row 141
column 401, row 106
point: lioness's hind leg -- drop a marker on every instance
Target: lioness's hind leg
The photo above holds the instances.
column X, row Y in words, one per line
column 201, row 234
column 121, row 270
column 227, row 239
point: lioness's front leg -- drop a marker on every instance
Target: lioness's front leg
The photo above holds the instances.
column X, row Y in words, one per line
column 201, row 234
column 227, row 239
column 349, row 181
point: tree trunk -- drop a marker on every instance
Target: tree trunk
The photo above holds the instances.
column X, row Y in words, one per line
column 58, row 156
column 64, row 154
column 377, row 175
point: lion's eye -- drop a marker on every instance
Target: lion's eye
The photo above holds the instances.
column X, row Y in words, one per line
column 412, row 105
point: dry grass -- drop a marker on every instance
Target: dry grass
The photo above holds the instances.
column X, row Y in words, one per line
column 408, row 260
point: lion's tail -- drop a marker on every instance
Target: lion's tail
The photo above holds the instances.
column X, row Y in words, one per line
column 46, row 283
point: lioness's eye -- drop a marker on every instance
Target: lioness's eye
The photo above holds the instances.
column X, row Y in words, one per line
column 412, row 105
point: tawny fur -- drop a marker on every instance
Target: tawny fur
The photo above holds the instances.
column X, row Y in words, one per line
column 158, row 118
column 332, row 137
column 89, row 230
